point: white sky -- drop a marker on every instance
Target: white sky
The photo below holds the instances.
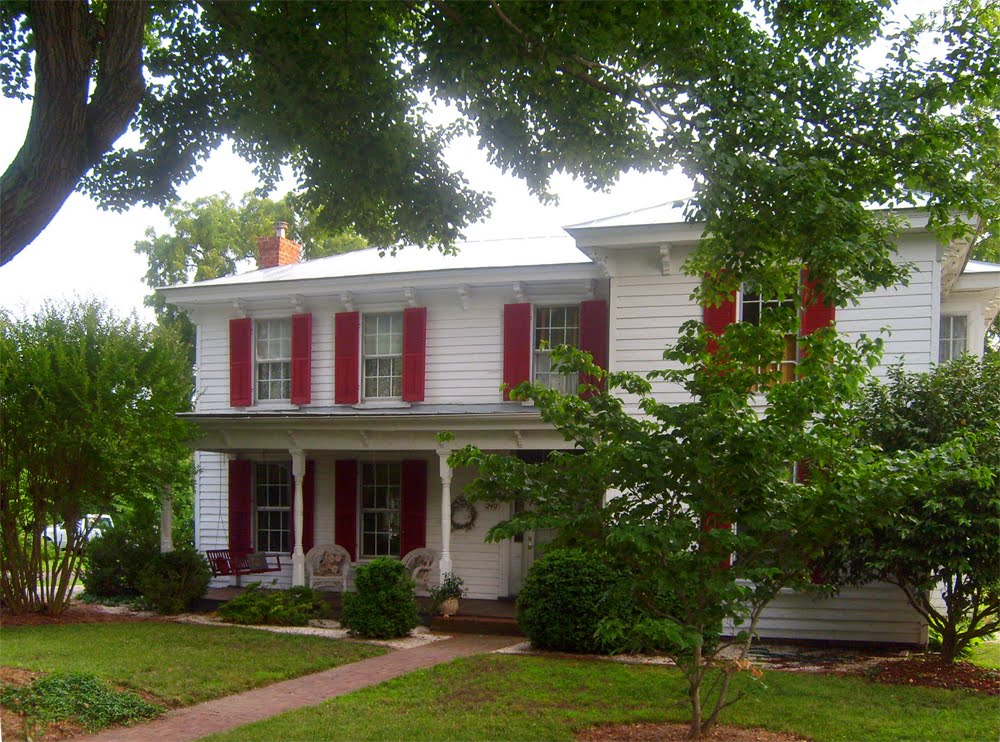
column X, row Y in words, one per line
column 89, row 252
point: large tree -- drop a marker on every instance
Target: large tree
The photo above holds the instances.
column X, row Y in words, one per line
column 89, row 411
column 766, row 108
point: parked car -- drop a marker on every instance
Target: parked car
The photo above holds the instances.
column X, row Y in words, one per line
column 96, row 523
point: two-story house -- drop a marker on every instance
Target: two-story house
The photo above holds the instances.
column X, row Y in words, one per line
column 322, row 386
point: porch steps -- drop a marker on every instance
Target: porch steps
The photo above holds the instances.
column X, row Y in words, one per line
column 499, row 626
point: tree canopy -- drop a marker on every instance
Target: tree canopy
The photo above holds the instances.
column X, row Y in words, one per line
column 765, row 106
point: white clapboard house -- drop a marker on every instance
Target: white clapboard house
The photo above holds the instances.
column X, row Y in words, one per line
column 322, row 386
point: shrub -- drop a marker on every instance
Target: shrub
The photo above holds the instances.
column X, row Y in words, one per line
column 384, row 606
column 172, row 581
column 292, row 607
column 115, row 559
column 80, row 698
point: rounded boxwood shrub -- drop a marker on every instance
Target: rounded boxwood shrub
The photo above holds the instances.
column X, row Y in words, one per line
column 172, row 581
column 565, row 595
column 115, row 559
column 292, row 607
column 384, row 606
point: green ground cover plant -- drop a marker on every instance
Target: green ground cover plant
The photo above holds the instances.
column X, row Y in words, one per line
column 292, row 607
column 509, row 697
column 179, row 663
column 77, row 697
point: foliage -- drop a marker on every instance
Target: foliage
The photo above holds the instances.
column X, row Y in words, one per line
column 292, row 607
column 944, row 536
column 171, row 582
column 76, row 697
column 543, row 698
column 115, row 559
column 451, row 586
column 178, row 662
column 384, row 606
column 763, row 105
column 89, row 410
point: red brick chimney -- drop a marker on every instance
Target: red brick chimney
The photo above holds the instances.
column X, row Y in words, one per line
column 277, row 249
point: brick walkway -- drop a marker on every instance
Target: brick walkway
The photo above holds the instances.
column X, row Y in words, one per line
column 198, row 721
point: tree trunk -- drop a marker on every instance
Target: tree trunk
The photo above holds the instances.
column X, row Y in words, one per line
column 66, row 134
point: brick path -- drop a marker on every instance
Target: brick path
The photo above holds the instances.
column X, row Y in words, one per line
column 206, row 718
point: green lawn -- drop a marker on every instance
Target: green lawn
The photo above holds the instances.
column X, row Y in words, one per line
column 508, row 697
column 179, row 663
column 986, row 654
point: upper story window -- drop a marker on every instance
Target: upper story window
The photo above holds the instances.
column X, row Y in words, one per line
column 383, row 355
column 954, row 338
column 273, row 506
column 273, row 347
column 751, row 308
column 555, row 326
column 381, row 492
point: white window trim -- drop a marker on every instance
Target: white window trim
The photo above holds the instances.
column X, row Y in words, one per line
column 271, row 401
column 362, row 558
column 365, row 400
column 288, row 471
column 968, row 327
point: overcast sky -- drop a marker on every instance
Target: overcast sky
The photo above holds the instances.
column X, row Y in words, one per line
column 89, row 252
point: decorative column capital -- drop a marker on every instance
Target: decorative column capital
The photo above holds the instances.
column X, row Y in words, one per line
column 298, row 462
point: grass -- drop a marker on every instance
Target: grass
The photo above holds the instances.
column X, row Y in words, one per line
column 179, row 663
column 986, row 654
column 507, row 697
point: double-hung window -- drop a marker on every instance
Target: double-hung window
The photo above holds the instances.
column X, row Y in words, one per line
column 383, row 355
column 751, row 309
column 273, row 348
column 273, row 506
column 954, row 338
column 381, row 492
column 555, row 326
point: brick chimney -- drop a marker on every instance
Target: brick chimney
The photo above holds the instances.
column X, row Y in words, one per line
column 277, row 250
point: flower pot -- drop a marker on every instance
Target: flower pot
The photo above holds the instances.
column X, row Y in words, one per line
column 448, row 607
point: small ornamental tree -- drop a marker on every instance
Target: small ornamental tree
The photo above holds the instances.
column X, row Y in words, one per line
column 941, row 539
column 707, row 508
column 89, row 412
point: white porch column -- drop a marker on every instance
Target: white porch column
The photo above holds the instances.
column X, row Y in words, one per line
column 445, row 561
column 167, row 519
column 298, row 556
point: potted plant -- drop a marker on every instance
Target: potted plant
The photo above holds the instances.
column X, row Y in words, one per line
column 446, row 595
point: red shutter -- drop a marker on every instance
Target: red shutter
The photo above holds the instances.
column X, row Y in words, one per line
column 718, row 318
column 414, row 353
column 302, row 358
column 308, row 502
column 413, row 506
column 240, row 506
column 594, row 332
column 816, row 313
column 345, row 516
column 241, row 362
column 346, row 362
column 516, row 345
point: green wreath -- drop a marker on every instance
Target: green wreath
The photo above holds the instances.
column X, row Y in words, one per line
column 468, row 522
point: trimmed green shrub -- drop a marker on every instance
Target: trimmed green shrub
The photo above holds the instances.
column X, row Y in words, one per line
column 78, row 697
column 384, row 606
column 115, row 559
column 292, row 607
column 172, row 581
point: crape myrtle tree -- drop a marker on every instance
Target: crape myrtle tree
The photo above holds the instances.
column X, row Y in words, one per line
column 89, row 411
column 765, row 106
column 938, row 544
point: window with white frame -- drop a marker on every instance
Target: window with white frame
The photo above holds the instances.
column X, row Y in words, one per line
column 555, row 326
column 751, row 309
column 381, row 491
column 273, row 347
column 383, row 355
column 954, row 338
column 273, row 507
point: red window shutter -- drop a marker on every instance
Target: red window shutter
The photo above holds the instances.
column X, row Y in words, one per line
column 241, row 362
column 816, row 313
column 302, row 358
column 346, row 362
column 414, row 353
column 240, row 506
column 516, row 345
column 345, row 517
column 308, row 503
column 718, row 318
column 594, row 332
column 413, row 506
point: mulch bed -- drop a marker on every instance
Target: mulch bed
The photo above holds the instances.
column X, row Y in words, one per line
column 677, row 732
column 929, row 671
column 76, row 613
